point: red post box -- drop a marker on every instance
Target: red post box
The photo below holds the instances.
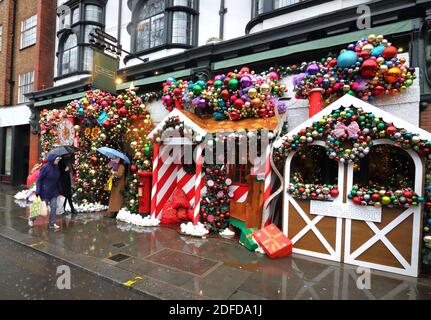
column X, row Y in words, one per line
column 144, row 191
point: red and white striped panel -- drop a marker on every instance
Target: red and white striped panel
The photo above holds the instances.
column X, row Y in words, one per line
column 167, row 177
column 240, row 192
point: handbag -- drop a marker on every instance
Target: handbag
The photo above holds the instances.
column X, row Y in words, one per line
column 108, row 186
column 38, row 208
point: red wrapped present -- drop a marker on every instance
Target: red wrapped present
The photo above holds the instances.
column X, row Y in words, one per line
column 273, row 241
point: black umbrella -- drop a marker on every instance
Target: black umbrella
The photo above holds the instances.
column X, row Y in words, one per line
column 63, row 150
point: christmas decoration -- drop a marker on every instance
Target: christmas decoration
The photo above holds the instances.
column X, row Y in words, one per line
column 215, row 204
column 247, row 240
column 378, row 197
column 313, row 191
column 348, row 134
column 102, row 119
column 236, row 95
column 365, row 69
column 273, row 241
column 426, row 247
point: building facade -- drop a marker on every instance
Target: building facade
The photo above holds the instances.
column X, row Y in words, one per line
column 196, row 39
column 26, row 61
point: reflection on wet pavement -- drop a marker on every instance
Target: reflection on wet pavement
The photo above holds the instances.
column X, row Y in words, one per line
column 176, row 266
column 26, row 274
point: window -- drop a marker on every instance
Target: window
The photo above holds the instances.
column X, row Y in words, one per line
column 258, row 7
column 1, row 37
column 154, row 24
column 28, row 32
column 93, row 13
column 25, row 85
column 284, row 3
column 88, row 59
column 184, row 3
column 65, row 20
column 8, row 152
column 182, row 28
column 385, row 166
column 75, row 15
column 151, row 26
column 313, row 166
column 69, row 58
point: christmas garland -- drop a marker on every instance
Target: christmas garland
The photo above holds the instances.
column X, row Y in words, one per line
column 378, row 197
column 349, row 134
column 304, row 191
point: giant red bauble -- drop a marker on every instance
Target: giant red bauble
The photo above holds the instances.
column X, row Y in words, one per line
column 134, row 168
column 334, row 193
column 238, row 104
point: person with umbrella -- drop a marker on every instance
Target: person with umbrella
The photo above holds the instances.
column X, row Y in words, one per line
column 66, row 174
column 118, row 174
column 48, row 188
column 66, row 182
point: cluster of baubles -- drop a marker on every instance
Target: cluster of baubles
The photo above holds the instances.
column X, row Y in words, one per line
column 370, row 67
column 236, row 95
column 313, row 191
column 378, row 197
column 102, row 119
column 348, row 135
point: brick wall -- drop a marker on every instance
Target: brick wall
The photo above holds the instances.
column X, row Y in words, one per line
column 6, row 14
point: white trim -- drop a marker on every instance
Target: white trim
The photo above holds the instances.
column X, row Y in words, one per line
column 187, row 122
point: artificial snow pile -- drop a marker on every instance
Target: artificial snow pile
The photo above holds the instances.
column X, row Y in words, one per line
column 90, row 207
column 198, row 230
column 227, row 233
column 125, row 215
column 27, row 195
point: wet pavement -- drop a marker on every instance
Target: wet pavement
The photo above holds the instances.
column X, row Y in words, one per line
column 160, row 262
column 28, row 274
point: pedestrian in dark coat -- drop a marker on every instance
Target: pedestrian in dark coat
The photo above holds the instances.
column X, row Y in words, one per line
column 66, row 179
column 48, row 187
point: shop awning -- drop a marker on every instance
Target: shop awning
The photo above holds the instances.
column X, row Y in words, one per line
column 59, row 99
column 14, row 116
column 393, row 28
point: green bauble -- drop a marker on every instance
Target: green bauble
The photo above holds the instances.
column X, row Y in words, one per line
column 233, row 84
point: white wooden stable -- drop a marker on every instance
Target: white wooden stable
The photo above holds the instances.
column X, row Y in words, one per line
column 341, row 250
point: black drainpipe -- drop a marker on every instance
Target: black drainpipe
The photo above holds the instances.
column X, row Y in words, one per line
column 222, row 13
column 12, row 60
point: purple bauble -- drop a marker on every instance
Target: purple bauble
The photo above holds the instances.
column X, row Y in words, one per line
column 313, row 68
column 246, row 82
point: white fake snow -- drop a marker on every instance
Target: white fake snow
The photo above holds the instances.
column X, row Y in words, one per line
column 28, row 195
column 90, row 207
column 198, row 230
column 125, row 215
column 227, row 233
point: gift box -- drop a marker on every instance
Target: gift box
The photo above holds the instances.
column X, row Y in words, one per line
column 273, row 241
column 246, row 238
